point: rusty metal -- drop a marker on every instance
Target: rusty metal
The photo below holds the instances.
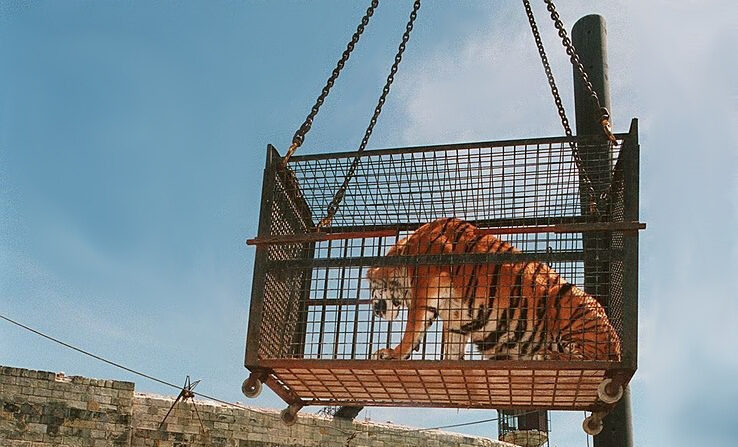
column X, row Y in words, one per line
column 281, row 390
column 319, row 237
column 446, row 383
column 185, row 394
column 594, row 199
column 562, row 228
column 446, row 259
column 570, row 228
column 417, row 365
column 630, row 210
column 557, row 98
column 495, row 145
column 253, row 337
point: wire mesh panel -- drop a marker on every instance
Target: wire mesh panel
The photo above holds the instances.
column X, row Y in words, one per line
column 476, row 255
column 524, row 428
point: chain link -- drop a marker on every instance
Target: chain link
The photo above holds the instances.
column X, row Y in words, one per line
column 299, row 137
column 559, row 104
column 574, row 58
column 338, row 197
column 594, row 199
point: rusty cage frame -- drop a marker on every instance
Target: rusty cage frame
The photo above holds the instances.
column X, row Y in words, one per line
column 310, row 333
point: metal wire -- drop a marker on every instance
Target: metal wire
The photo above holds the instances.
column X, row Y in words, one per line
column 89, row 354
column 352, row 434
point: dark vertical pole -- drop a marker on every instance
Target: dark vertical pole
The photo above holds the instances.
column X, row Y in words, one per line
column 589, row 37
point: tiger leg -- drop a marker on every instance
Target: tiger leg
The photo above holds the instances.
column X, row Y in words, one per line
column 454, row 344
column 418, row 322
column 433, row 288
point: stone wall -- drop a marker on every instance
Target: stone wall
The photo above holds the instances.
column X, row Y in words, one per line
column 49, row 409
column 40, row 409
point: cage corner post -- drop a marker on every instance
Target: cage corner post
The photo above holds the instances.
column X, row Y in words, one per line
column 589, row 36
column 253, row 337
column 631, row 205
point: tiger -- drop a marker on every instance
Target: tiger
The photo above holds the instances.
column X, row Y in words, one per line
column 510, row 311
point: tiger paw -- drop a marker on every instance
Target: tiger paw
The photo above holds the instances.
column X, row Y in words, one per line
column 385, row 354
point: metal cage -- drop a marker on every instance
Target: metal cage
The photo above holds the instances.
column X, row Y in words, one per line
column 312, row 330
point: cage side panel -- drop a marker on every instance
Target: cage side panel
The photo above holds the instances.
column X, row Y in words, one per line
column 341, row 324
column 630, row 280
column 260, row 262
column 283, row 317
column 594, row 181
column 617, row 266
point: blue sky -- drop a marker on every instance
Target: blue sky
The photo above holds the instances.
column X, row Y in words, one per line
column 133, row 134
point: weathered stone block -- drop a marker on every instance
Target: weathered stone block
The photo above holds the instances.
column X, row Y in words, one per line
column 123, row 385
column 36, row 428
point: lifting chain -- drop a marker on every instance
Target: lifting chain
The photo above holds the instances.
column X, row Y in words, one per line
column 605, row 116
column 574, row 58
column 299, row 137
column 338, row 197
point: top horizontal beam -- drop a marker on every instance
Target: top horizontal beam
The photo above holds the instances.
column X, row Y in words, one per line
column 560, row 228
column 448, row 147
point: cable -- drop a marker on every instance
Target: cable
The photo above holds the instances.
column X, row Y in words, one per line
column 117, row 365
column 109, row 362
column 352, row 435
column 463, row 424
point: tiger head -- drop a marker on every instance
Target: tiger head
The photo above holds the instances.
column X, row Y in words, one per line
column 390, row 286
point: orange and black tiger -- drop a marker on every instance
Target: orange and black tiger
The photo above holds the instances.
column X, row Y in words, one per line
column 513, row 311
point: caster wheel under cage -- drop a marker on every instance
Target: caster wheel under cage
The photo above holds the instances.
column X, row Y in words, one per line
column 289, row 415
column 251, row 387
column 608, row 392
column 592, row 424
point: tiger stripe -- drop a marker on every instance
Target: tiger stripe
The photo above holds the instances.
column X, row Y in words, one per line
column 510, row 310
